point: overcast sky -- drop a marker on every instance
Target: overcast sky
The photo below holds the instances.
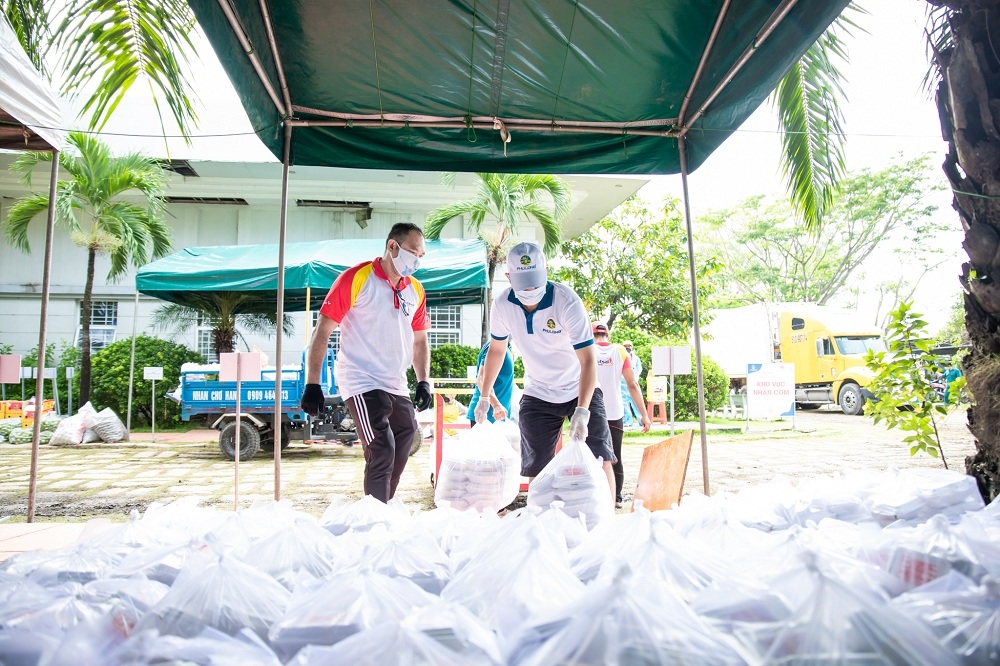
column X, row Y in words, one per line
column 888, row 114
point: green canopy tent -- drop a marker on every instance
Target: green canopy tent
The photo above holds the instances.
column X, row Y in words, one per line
column 534, row 86
column 453, row 272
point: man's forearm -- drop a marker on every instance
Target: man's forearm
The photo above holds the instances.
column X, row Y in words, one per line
column 317, row 349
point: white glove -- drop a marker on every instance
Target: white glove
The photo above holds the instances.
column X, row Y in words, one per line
column 482, row 410
column 499, row 413
column 578, row 423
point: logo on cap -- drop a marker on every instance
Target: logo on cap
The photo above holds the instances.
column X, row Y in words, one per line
column 525, row 260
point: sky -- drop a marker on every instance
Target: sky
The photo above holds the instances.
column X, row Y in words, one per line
column 887, row 115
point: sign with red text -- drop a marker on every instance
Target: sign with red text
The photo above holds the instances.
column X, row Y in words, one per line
column 770, row 390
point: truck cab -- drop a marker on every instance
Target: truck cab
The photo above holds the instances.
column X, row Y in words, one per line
column 828, row 354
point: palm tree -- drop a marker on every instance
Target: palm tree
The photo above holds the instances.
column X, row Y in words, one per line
column 961, row 40
column 94, row 209
column 506, row 199
column 229, row 313
column 113, row 43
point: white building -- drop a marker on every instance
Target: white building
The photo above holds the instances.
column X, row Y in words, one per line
column 222, row 203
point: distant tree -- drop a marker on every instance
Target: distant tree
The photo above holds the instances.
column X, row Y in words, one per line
column 505, row 201
column 768, row 256
column 632, row 266
column 954, row 332
column 98, row 207
column 232, row 315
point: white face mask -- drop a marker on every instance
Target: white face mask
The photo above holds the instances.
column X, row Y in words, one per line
column 406, row 263
column 530, row 296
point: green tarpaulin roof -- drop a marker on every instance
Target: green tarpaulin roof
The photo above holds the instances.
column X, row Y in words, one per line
column 452, row 271
column 579, row 86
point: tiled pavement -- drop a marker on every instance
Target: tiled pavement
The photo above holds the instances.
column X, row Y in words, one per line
column 93, row 480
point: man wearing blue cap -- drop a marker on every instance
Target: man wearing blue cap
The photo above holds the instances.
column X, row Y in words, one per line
column 551, row 328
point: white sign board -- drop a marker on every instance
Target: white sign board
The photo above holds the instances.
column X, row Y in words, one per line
column 48, row 373
column 28, row 373
column 70, row 371
column 770, row 390
column 677, row 358
column 249, row 366
column 10, row 368
column 152, row 373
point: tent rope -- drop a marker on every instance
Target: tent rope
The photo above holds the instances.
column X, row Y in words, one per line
column 378, row 82
column 504, row 134
column 472, row 59
column 569, row 44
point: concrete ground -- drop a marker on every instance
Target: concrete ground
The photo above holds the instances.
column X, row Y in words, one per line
column 78, row 483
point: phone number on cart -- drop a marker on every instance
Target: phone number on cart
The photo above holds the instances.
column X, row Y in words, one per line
column 209, row 396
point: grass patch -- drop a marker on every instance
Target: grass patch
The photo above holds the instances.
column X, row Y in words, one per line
column 183, row 426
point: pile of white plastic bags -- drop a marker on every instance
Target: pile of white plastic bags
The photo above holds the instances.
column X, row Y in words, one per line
column 898, row 567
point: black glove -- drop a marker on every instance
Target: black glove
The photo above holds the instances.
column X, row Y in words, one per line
column 422, row 396
column 313, row 401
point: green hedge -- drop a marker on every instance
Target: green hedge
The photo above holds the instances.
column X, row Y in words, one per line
column 109, row 378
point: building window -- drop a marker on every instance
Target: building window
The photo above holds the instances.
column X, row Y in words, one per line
column 446, row 325
column 334, row 342
column 205, row 343
column 103, row 325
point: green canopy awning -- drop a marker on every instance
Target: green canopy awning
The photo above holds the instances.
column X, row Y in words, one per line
column 452, row 271
column 579, row 86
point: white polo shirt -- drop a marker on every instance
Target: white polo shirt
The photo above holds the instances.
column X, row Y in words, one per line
column 377, row 323
column 611, row 361
column 547, row 339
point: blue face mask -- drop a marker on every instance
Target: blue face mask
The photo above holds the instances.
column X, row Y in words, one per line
column 406, row 263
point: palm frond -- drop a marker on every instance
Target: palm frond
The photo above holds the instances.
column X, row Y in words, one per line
column 439, row 218
column 174, row 319
column 30, row 21
column 19, row 216
column 809, row 100
column 117, row 42
column 940, row 40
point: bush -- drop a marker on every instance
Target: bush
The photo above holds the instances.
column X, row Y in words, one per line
column 109, row 379
column 448, row 361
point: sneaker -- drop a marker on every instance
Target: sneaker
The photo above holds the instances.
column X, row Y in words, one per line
column 618, row 505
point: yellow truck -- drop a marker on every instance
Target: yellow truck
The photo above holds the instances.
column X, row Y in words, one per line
column 826, row 345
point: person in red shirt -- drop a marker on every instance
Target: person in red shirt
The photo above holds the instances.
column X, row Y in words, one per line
column 382, row 314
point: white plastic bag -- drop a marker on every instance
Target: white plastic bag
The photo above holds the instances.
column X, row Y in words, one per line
column 479, row 470
column 108, row 426
column 577, row 479
column 69, row 431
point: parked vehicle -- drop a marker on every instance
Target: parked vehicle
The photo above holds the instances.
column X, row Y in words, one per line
column 826, row 345
column 201, row 395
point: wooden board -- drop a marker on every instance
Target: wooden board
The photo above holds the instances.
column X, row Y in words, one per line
column 662, row 472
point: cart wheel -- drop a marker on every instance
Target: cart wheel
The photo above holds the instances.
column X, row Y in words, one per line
column 267, row 443
column 418, row 441
column 249, row 441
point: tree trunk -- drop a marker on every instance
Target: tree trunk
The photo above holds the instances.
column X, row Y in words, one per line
column 969, row 104
column 225, row 340
column 490, row 272
column 85, row 308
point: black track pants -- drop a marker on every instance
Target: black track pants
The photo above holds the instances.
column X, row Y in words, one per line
column 386, row 425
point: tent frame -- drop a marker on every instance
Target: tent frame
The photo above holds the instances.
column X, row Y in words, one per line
column 676, row 128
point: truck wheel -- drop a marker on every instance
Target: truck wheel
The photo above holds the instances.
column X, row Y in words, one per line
column 249, row 440
column 418, row 441
column 851, row 400
column 267, row 443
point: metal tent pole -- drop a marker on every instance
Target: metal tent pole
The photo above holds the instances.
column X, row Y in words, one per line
column 276, row 420
column 40, row 380
column 131, row 368
column 682, row 148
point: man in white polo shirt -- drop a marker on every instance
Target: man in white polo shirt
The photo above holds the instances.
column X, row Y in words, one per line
column 382, row 315
column 550, row 327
